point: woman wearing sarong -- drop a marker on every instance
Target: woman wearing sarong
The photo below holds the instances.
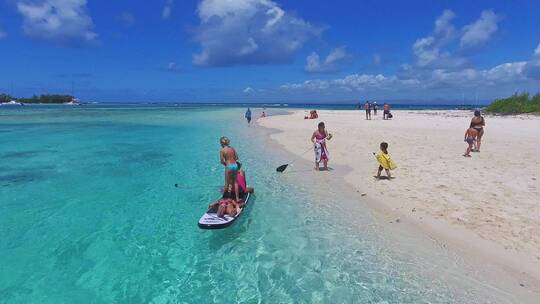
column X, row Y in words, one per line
column 318, row 139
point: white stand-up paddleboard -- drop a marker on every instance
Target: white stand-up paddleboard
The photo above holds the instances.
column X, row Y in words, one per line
column 210, row 220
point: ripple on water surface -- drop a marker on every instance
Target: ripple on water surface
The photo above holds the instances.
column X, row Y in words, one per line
column 104, row 223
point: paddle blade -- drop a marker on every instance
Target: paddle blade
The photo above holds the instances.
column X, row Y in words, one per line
column 282, row 168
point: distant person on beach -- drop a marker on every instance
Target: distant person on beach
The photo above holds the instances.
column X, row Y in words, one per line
column 470, row 138
column 478, row 123
column 318, row 139
column 386, row 111
column 375, row 108
column 263, row 114
column 248, row 115
column 367, row 107
column 385, row 161
column 229, row 157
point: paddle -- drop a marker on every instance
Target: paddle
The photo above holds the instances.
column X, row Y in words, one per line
column 283, row 167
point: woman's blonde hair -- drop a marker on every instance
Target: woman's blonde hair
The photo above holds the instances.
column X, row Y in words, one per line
column 224, row 140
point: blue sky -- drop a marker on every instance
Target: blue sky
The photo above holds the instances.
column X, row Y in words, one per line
column 270, row 51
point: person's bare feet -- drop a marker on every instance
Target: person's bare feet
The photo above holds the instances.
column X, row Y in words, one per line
column 466, row 155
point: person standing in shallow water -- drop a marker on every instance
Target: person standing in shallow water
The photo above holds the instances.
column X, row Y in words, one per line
column 248, row 115
column 318, row 139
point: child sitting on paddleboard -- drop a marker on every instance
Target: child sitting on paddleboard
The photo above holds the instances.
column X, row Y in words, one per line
column 227, row 205
column 385, row 161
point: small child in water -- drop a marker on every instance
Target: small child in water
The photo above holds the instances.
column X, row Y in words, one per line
column 470, row 139
column 385, row 161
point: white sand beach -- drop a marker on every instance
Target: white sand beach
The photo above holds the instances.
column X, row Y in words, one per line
column 488, row 205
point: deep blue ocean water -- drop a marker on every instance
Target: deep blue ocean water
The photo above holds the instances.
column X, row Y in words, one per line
column 89, row 214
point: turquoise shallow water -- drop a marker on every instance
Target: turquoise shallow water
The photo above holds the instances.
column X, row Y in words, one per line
column 89, row 214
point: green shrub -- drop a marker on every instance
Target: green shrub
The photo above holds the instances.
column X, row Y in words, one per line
column 515, row 104
column 47, row 99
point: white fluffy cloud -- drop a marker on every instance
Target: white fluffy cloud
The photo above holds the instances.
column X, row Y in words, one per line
column 126, row 18
column 240, row 32
column 355, row 82
column 329, row 64
column 444, row 28
column 172, row 67
column 62, row 22
column 500, row 75
column 481, row 31
column 167, row 9
column 248, row 90
column 436, row 68
column 429, row 51
column 532, row 68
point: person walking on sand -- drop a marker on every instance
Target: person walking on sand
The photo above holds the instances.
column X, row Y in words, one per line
column 470, row 138
column 318, row 139
column 385, row 161
column 229, row 157
column 248, row 115
column 386, row 111
column 367, row 107
column 478, row 123
column 375, row 108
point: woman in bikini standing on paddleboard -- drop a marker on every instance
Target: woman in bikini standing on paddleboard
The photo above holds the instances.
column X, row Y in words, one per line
column 229, row 158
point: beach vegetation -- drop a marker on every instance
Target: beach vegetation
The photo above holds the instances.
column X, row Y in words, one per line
column 47, row 99
column 515, row 104
column 6, row 98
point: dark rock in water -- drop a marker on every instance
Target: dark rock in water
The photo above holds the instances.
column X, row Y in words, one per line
column 17, row 178
column 27, row 175
column 23, row 154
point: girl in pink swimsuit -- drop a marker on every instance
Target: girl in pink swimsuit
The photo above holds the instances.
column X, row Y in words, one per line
column 318, row 139
column 241, row 180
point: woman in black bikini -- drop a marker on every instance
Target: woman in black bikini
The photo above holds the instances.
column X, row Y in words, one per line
column 478, row 123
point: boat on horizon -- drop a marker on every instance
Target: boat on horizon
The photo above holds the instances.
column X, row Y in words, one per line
column 73, row 102
column 12, row 103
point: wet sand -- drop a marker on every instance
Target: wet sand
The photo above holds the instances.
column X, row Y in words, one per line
column 486, row 207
